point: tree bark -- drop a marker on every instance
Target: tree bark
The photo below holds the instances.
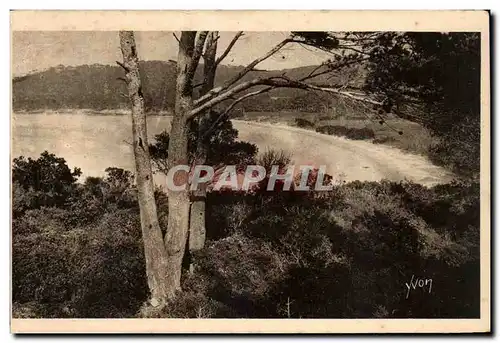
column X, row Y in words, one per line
column 197, row 223
column 154, row 250
column 178, row 201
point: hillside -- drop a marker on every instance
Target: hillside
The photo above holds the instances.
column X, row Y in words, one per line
column 97, row 87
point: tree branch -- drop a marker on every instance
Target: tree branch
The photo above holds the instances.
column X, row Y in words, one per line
column 277, row 82
column 229, row 47
column 198, row 50
column 311, row 75
column 231, row 106
column 251, row 66
column 176, row 38
column 346, row 47
column 302, row 43
column 127, row 69
column 242, row 73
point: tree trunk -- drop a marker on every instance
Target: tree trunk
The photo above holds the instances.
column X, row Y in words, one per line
column 178, row 201
column 154, row 250
column 197, row 223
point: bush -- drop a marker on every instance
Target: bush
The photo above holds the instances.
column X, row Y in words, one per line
column 46, row 181
column 307, row 257
column 223, row 147
column 97, row 271
column 272, row 157
column 304, row 123
column 460, row 153
column 383, row 140
column 325, row 117
column 363, row 133
column 344, row 254
column 350, row 133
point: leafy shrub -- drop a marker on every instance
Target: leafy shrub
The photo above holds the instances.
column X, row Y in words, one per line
column 383, row 140
column 304, row 123
column 459, row 151
column 227, row 213
column 223, row 147
column 272, row 157
column 363, row 133
column 268, row 159
column 331, row 130
column 46, row 181
column 97, row 271
column 306, row 257
column 325, row 117
column 27, row 310
column 187, row 304
column 40, row 220
column 237, row 272
column 278, row 254
column 351, row 133
column 98, row 196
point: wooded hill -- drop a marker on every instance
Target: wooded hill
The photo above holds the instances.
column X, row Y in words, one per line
column 98, row 87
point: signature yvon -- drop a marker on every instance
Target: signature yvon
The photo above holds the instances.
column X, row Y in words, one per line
column 425, row 284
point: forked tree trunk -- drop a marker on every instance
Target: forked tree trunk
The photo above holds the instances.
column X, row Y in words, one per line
column 197, row 223
column 157, row 266
column 178, row 201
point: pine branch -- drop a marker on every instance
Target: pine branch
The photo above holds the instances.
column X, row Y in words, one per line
column 277, row 82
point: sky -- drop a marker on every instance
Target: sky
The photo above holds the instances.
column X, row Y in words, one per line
column 39, row 50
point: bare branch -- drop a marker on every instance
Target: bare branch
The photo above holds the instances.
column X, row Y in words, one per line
column 242, row 73
column 311, row 75
column 346, row 47
column 257, row 61
column 251, row 67
column 301, row 43
column 316, row 69
column 226, row 95
column 229, row 47
column 127, row 69
column 176, row 38
column 279, row 81
column 265, row 90
column 231, row 106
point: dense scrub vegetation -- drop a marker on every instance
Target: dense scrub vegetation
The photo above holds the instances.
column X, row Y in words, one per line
column 272, row 254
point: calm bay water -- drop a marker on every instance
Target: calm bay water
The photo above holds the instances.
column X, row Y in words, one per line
column 95, row 142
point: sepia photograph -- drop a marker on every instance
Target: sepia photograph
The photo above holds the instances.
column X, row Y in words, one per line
column 294, row 172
